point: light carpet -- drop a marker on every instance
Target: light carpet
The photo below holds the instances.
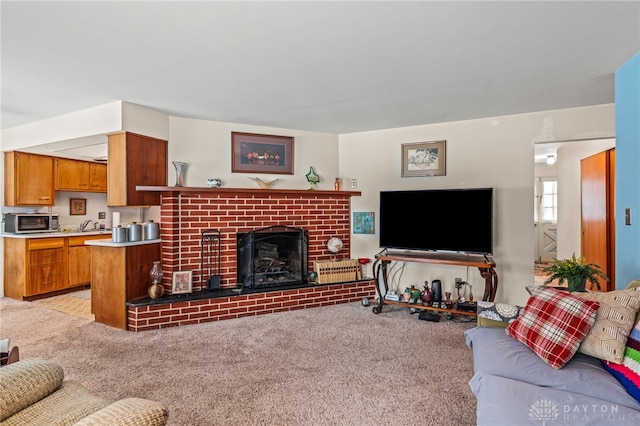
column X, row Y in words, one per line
column 335, row 365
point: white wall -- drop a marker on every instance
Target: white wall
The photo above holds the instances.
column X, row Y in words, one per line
column 545, row 170
column 206, row 147
column 494, row 152
column 98, row 120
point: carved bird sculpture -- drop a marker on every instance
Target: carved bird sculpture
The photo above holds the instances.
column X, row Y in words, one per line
column 262, row 184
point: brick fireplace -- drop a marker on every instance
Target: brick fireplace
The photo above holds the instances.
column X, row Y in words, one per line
column 187, row 212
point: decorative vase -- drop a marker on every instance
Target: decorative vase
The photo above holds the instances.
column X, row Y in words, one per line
column 426, row 295
column 312, row 178
column 180, row 169
column 214, row 183
column 156, row 290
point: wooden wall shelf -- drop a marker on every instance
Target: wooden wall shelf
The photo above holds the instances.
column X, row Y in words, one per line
column 306, row 192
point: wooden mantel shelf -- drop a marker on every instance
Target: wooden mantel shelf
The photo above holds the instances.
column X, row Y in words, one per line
column 316, row 192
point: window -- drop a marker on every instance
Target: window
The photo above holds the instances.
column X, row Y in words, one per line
column 549, row 201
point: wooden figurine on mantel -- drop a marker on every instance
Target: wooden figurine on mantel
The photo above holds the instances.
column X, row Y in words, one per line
column 262, row 184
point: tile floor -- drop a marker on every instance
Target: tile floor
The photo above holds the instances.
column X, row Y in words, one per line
column 77, row 303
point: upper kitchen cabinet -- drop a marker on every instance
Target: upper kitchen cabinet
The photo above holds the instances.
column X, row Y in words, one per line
column 135, row 160
column 28, row 179
column 98, row 177
column 76, row 175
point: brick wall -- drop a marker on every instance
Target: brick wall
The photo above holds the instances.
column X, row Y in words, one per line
column 179, row 313
column 187, row 212
column 184, row 215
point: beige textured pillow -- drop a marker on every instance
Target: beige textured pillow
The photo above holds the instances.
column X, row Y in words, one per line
column 614, row 320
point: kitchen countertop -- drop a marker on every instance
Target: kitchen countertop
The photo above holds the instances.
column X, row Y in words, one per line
column 107, row 242
column 110, row 243
column 57, row 234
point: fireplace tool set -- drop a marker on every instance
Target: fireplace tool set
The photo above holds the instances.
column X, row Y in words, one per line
column 210, row 260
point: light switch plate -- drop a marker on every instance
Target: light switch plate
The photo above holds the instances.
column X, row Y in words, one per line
column 627, row 216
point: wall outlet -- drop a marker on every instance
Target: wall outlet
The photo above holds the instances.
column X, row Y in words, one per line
column 354, row 183
column 102, row 215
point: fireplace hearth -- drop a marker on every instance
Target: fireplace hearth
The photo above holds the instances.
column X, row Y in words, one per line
column 272, row 257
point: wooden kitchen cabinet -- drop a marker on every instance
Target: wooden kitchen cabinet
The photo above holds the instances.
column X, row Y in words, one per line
column 47, row 266
column 80, row 259
column 120, row 274
column 78, row 175
column 28, row 179
column 34, row 266
column 97, row 177
column 135, row 160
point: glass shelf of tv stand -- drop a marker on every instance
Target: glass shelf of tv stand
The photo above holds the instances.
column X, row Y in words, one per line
column 378, row 308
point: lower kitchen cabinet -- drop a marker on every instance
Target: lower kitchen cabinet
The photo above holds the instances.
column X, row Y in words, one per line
column 120, row 273
column 47, row 266
column 37, row 267
column 80, row 259
column 34, row 266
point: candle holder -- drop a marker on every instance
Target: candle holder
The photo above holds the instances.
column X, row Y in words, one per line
column 156, row 290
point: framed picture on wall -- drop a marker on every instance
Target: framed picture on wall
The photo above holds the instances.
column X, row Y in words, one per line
column 363, row 223
column 424, row 159
column 255, row 153
column 182, row 282
column 77, row 206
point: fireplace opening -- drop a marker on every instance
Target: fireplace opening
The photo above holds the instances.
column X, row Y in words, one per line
column 272, row 257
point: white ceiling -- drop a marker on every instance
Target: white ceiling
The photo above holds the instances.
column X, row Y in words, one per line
column 335, row 67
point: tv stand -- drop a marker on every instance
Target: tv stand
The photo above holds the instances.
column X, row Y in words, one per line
column 485, row 264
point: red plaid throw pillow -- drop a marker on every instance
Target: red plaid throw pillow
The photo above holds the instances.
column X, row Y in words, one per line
column 553, row 324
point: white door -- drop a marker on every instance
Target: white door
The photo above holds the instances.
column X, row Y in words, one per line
column 545, row 216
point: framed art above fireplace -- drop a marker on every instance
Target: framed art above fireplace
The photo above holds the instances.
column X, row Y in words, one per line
column 256, row 153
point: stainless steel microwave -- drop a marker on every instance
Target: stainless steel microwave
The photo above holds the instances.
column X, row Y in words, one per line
column 28, row 223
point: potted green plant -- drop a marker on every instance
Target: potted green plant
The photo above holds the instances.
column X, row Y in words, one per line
column 576, row 271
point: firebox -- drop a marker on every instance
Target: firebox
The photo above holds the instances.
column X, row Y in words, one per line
column 272, row 257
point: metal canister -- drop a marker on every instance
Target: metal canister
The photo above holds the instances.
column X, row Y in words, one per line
column 151, row 230
column 119, row 234
column 135, row 231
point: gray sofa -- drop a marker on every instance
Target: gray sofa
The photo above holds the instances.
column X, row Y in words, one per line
column 513, row 386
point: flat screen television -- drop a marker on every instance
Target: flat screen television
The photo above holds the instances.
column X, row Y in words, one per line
column 456, row 220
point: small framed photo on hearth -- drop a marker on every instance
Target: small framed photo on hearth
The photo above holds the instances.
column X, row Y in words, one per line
column 182, row 282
